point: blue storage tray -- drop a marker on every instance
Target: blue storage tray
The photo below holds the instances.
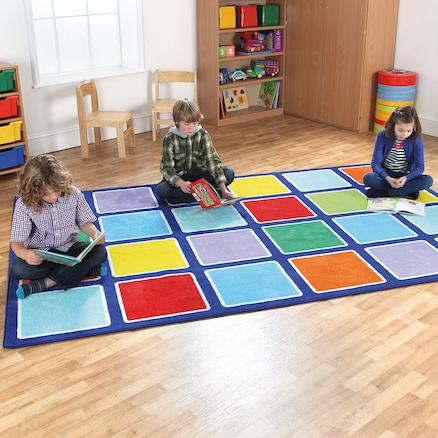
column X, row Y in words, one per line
column 12, row 157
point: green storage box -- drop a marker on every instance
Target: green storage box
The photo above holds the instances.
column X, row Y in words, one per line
column 6, row 80
column 268, row 15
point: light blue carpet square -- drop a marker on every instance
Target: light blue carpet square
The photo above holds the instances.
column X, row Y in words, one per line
column 197, row 219
column 374, row 227
column 253, row 283
column 429, row 223
column 138, row 225
column 54, row 312
column 320, row 179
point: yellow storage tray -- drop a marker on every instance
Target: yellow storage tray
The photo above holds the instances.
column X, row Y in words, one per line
column 227, row 17
column 11, row 132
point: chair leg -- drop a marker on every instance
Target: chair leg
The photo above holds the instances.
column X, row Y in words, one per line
column 130, row 128
column 97, row 137
column 121, row 141
column 154, row 132
column 84, row 140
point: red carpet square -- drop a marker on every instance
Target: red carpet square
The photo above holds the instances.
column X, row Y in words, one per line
column 277, row 209
column 160, row 296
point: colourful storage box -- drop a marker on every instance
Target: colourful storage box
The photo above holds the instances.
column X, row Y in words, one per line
column 247, row 16
column 6, row 80
column 268, row 15
column 227, row 17
column 8, row 107
column 12, row 157
column 10, row 132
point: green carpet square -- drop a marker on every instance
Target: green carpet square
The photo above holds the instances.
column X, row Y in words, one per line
column 303, row 236
column 339, row 201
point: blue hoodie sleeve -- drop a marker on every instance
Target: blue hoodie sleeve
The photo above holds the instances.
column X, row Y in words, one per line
column 416, row 162
column 377, row 160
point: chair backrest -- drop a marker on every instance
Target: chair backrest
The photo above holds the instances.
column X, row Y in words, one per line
column 175, row 76
column 86, row 89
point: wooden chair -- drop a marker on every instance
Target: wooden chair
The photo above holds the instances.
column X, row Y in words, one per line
column 165, row 105
column 101, row 119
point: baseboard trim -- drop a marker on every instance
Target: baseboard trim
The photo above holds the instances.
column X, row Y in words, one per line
column 46, row 142
column 429, row 124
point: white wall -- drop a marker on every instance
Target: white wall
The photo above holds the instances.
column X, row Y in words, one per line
column 51, row 117
column 416, row 50
column 170, row 42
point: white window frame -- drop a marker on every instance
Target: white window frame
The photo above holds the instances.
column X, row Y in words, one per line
column 91, row 73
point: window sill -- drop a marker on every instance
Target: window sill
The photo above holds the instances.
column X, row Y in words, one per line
column 61, row 79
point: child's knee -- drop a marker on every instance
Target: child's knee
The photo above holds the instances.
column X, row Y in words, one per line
column 100, row 253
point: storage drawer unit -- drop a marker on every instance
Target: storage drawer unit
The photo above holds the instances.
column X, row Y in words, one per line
column 8, row 107
column 10, row 133
column 6, row 80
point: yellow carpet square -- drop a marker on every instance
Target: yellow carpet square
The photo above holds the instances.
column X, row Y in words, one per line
column 144, row 257
column 258, row 186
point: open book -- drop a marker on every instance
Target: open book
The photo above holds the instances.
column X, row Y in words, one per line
column 392, row 205
column 207, row 196
column 64, row 259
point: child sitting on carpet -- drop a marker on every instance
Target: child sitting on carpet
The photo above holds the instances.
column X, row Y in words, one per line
column 188, row 154
column 48, row 215
column 398, row 158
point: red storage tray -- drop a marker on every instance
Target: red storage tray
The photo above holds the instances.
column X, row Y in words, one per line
column 8, row 107
column 246, row 16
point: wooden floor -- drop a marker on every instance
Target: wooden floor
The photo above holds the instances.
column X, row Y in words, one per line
column 361, row 366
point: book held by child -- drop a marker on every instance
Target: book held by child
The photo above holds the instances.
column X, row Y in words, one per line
column 394, row 205
column 207, row 196
column 64, row 259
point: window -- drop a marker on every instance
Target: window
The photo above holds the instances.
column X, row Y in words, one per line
column 84, row 39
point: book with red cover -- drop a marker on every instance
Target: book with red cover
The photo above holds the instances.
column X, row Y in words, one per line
column 207, row 196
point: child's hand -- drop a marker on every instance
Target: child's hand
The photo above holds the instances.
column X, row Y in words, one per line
column 393, row 182
column 401, row 181
column 185, row 186
column 32, row 258
column 228, row 195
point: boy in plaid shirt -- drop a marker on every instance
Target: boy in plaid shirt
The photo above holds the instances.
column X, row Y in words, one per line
column 48, row 215
column 188, row 154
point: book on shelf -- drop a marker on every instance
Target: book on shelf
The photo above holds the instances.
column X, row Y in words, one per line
column 64, row 259
column 394, row 205
column 267, row 94
column 235, row 98
column 221, row 105
column 263, row 52
column 207, row 196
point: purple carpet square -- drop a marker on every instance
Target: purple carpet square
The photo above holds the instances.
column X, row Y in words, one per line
column 408, row 259
column 137, row 198
column 227, row 246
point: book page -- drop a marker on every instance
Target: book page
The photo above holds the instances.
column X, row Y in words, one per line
column 410, row 206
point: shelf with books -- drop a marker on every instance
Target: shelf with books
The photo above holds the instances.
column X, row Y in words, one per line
column 218, row 55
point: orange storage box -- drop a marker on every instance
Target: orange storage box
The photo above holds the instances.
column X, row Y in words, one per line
column 10, row 133
column 8, row 107
column 247, row 16
column 227, row 17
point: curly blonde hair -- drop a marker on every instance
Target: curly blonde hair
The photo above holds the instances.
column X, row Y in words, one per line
column 39, row 174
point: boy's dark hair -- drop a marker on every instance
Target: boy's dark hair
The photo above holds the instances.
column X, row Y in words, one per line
column 186, row 110
column 403, row 114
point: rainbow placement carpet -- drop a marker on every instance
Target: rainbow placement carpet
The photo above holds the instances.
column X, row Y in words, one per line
column 296, row 237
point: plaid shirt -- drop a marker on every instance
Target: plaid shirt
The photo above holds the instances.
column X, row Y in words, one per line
column 180, row 155
column 55, row 225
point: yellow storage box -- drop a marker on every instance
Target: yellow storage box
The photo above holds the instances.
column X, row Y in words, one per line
column 10, row 133
column 227, row 17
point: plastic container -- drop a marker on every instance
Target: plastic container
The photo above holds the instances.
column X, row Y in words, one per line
column 246, row 16
column 268, row 15
column 8, row 107
column 6, row 80
column 12, row 157
column 227, row 17
column 11, row 132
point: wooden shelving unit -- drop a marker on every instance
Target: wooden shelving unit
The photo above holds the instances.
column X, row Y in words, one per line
column 210, row 37
column 6, row 149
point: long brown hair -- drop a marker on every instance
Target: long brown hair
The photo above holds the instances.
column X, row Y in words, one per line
column 403, row 114
column 39, row 174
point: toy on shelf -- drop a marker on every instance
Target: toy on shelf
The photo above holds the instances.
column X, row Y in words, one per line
column 257, row 71
column 224, row 75
column 252, row 43
column 227, row 51
column 271, row 68
column 238, row 75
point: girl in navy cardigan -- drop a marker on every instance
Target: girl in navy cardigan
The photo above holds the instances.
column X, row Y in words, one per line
column 398, row 158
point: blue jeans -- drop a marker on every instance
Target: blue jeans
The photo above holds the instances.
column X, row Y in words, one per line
column 63, row 275
column 374, row 181
column 175, row 195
